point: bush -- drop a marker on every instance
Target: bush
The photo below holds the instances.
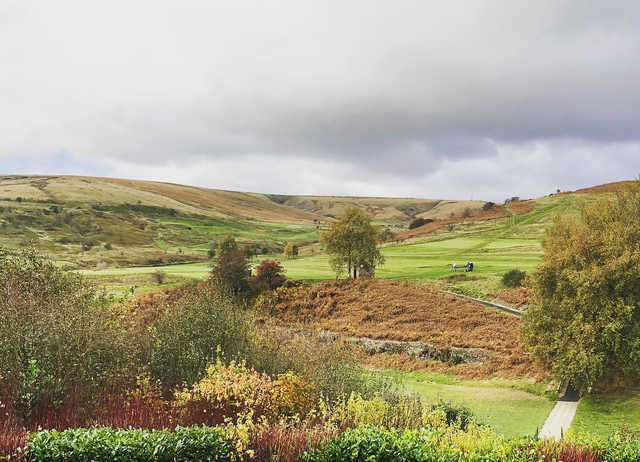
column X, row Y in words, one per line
column 372, row 444
column 513, row 278
column 108, row 246
column 231, row 390
column 107, row 445
column 488, row 206
column 57, row 333
column 191, row 334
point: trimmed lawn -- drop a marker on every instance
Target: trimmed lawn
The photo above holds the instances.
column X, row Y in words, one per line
column 509, row 407
column 603, row 414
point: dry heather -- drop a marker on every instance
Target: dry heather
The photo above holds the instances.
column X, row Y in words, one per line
column 404, row 311
column 521, row 207
column 517, row 297
column 604, row 188
column 496, row 212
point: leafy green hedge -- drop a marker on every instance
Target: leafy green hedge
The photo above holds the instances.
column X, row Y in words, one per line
column 108, row 445
column 368, row 444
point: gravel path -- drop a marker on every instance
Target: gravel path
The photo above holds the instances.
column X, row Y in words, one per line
column 559, row 420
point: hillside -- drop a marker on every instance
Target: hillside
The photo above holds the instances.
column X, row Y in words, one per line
column 214, row 203
column 105, row 222
column 380, row 208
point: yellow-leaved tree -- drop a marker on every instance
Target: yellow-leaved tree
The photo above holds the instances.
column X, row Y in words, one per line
column 585, row 321
column 351, row 243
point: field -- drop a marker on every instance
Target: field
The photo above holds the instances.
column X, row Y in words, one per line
column 600, row 413
column 512, row 408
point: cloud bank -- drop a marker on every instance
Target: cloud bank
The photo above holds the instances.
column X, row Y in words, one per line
column 481, row 99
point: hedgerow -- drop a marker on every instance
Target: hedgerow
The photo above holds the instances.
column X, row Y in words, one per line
column 135, row 445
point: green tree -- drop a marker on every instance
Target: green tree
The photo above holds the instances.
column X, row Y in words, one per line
column 585, row 322
column 351, row 242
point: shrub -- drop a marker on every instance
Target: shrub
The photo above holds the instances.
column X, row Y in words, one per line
column 191, row 334
column 230, row 390
column 108, row 246
column 448, row 444
column 372, row 444
column 64, row 240
column 488, row 206
column 513, row 278
column 57, row 332
column 106, row 445
column 159, row 276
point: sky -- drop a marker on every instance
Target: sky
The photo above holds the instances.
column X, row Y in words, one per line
column 461, row 99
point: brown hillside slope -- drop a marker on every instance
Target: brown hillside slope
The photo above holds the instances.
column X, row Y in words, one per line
column 402, row 311
column 380, row 208
column 186, row 199
column 603, row 188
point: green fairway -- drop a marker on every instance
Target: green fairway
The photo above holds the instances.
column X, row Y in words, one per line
column 603, row 414
column 509, row 407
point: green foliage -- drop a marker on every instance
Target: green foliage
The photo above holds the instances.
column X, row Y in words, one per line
column 352, row 242
column 372, row 444
column 56, row 330
column 191, row 444
column 191, row 334
column 585, row 323
column 513, row 278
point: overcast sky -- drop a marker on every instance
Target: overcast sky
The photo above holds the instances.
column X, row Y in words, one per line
column 441, row 99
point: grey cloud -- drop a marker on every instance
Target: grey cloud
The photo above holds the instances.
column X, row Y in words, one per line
column 395, row 91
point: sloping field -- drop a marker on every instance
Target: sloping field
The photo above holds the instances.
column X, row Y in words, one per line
column 496, row 212
column 403, row 311
column 185, row 199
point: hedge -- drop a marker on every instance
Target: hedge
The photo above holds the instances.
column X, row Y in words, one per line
column 191, row 444
column 368, row 444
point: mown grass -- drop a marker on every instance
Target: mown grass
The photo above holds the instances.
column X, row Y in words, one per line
column 508, row 406
column 602, row 414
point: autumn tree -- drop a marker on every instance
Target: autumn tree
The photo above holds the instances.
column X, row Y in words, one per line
column 351, row 242
column 232, row 269
column 269, row 275
column 585, row 322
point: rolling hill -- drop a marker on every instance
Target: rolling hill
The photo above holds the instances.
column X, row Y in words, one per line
column 105, row 222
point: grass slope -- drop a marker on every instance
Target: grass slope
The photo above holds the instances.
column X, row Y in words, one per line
column 512, row 408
